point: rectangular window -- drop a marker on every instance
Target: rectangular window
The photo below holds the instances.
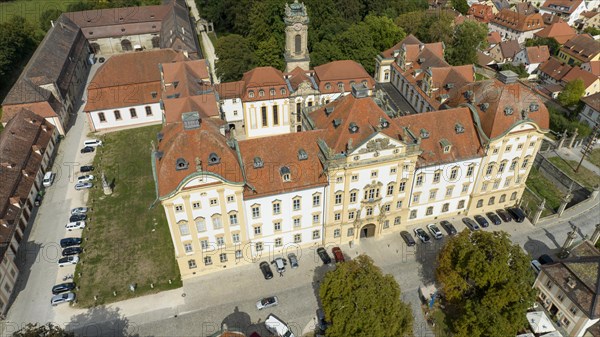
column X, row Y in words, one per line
column 436, row 177
column 220, row 241
column 259, row 246
column 445, row 207
column 257, row 230
column 223, row 257
column 355, row 177
column 316, row 234
column 392, row 170
column 214, row 202
column 204, row 244
column 133, row 113
column 399, row 204
column 297, row 222
column 217, row 223
column 178, row 208
column 350, row 232
column 102, row 117
column 276, row 208
column 337, row 216
column 386, row 224
column 297, row 238
column 230, row 198
column 296, row 204
column 373, row 174
column 339, row 179
column 429, row 210
column 484, row 186
column 184, row 229
column 496, row 184
column 278, row 242
column 512, row 165
column 461, row 204
column 277, row 226
column 386, row 208
column 207, row 260
column 148, row 111
column 413, row 214
column 188, row 247
column 465, row 188
column 117, row 115
column 263, row 111
column 238, row 254
column 416, row 197
column 397, row 220
column 402, row 186
column 369, row 211
column 390, row 190
column 196, row 205
column 233, row 219
column 449, row 191
column 520, row 146
column 275, row 115
column 351, row 215
column 501, row 167
column 336, row 233
column 338, row 199
column 256, row 212
column 432, row 194
column 470, row 171
column 316, row 200
column 508, row 148
column 352, row 197
column 419, row 180
column 192, row 264
column 235, row 238
column 316, row 218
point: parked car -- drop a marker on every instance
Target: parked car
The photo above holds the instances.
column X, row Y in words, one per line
column 338, row 255
column 321, row 322
column 68, row 242
column 277, row 327
column 79, row 210
column 38, row 198
column 87, row 149
column 408, row 239
column 267, row 302
column 68, row 260
column 75, row 225
column 77, row 217
column 72, row 251
column 279, row 264
column 83, row 186
column 545, row 259
column 86, row 168
column 62, row 298
column 266, row 270
column 448, row 227
column 435, row 231
column 323, row 255
column 472, row 225
column 504, row 215
column 494, row 218
column 422, row 235
column 48, row 179
column 516, row 213
column 481, row 221
column 61, row 288
column 536, row 266
column 293, row 260
column 85, row 178
column 92, row 142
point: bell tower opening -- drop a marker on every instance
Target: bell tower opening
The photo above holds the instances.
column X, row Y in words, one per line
column 298, row 44
column 296, row 37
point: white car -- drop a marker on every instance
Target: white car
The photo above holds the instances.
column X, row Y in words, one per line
column 92, row 142
column 62, row 298
column 79, row 210
column 435, row 231
column 83, row 186
column 68, row 260
column 267, row 302
column 75, row 225
column 86, row 178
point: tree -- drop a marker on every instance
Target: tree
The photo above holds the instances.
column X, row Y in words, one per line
column 47, row 330
column 268, row 53
column 486, row 280
column 17, row 38
column 325, row 51
column 47, row 16
column 411, row 23
column 356, row 44
column 235, row 57
column 553, row 45
column 593, row 31
column 461, row 6
column 572, row 92
column 468, row 37
column 384, row 33
column 359, row 300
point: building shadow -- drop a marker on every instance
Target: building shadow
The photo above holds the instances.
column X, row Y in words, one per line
column 552, row 238
column 535, row 248
column 28, row 254
column 237, row 320
column 101, row 321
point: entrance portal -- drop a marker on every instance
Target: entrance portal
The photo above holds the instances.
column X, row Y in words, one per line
column 367, row 231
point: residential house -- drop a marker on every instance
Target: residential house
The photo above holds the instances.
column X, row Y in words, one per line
column 493, row 38
column 505, row 51
column 592, row 66
column 553, row 71
column 551, row 18
column 560, row 31
column 383, row 64
column 482, row 13
column 515, row 26
column 569, row 289
column 590, row 115
column 580, row 49
column 27, row 145
column 531, row 58
column 568, row 10
column 591, row 82
column 525, row 8
column 588, row 19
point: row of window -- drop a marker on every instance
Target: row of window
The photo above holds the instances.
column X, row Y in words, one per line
column 264, row 118
column 492, row 200
column 212, row 202
column 509, row 147
column 261, row 92
column 340, row 85
column 132, row 114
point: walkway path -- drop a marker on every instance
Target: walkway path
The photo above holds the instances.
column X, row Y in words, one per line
column 575, row 154
column 207, row 46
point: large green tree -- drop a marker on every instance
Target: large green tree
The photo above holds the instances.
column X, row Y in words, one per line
column 360, row 301
column 468, row 37
column 17, row 38
column 47, row 330
column 461, row 6
column 384, row 32
column 235, row 57
column 553, row 45
column 269, row 53
column 487, row 281
column 47, row 16
column 572, row 92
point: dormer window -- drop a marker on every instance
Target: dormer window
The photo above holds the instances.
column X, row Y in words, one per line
column 258, row 162
column 459, row 128
column 251, row 94
column 508, row 110
column 153, row 94
column 285, row 173
column 534, row 107
column 328, row 86
column 424, row 134
column 261, row 93
column 449, row 85
column 181, row 164
column 283, row 91
column 484, row 106
column 272, row 92
column 468, row 94
column 353, row 128
column 340, row 85
column 329, row 110
column 302, row 155
column 337, row 122
column 445, row 144
column 384, row 123
column 213, row 159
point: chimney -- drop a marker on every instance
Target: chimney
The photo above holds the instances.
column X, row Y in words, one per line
column 507, row 76
column 596, row 234
column 571, row 282
column 360, row 90
column 396, row 52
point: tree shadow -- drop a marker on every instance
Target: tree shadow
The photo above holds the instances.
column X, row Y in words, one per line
column 536, row 248
column 426, row 257
column 112, row 183
column 101, row 321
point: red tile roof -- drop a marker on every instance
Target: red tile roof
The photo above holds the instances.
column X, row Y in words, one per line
column 298, row 76
column 230, row 89
column 492, row 98
column 593, row 67
column 519, row 22
column 265, row 79
column 494, row 38
column 410, row 39
column 481, row 12
column 578, row 73
column 537, row 54
column 560, row 31
column 344, row 71
column 554, row 68
column 582, row 47
column 205, row 104
column 551, row 18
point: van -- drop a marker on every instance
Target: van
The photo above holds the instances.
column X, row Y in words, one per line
column 48, row 179
column 277, row 327
column 92, row 142
column 536, row 266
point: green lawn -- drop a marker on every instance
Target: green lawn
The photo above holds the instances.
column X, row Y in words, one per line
column 594, row 157
column 480, row 77
column 125, row 242
column 584, row 176
column 30, row 9
column 544, row 188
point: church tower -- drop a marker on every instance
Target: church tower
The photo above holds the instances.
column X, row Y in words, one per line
column 296, row 37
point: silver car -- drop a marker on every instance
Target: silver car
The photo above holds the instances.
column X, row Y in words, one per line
column 62, row 298
column 267, row 302
column 435, row 231
column 85, row 178
column 293, row 260
column 75, row 225
column 83, row 186
column 79, row 210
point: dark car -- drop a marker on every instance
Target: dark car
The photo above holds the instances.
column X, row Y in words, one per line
column 71, row 251
column 87, row 149
column 266, row 270
column 86, row 168
column 38, row 198
column 448, row 227
column 337, row 254
column 77, row 217
column 321, row 322
column 481, row 221
column 323, row 255
column 545, row 259
column 61, row 288
column 493, row 218
column 68, row 242
column 408, row 238
column 293, row 260
column 504, row 215
column 472, row 225
column 516, row 213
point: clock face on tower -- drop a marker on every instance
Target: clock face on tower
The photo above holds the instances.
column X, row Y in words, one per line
column 297, row 26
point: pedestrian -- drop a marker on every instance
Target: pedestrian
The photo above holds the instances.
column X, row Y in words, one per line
column 280, row 274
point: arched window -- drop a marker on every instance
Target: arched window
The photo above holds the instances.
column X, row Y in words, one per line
column 126, row 45
column 298, row 44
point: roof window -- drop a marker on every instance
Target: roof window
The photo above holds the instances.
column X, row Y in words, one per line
column 329, row 110
column 508, row 110
column 459, row 128
column 383, row 123
column 285, row 173
column 424, row 134
column 337, row 122
column 484, row 106
column 353, row 128
column 533, row 107
column 302, row 155
column 213, row 159
column 258, row 162
column 181, row 164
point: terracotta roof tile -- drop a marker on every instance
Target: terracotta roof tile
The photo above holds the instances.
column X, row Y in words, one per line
column 560, row 31
column 205, row 104
column 509, row 48
column 230, row 89
column 518, row 22
column 551, row 18
column 298, row 76
column 408, row 40
column 582, row 47
column 558, row 5
column 481, row 12
column 593, row 67
column 499, row 106
column 494, row 38
column 344, row 71
column 578, row 73
column 554, row 68
column 593, row 101
column 45, row 109
column 537, row 54
column 265, row 79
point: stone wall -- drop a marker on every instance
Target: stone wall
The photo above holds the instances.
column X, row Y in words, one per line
column 561, row 180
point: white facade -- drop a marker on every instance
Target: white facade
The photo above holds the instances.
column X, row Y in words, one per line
column 589, row 116
column 232, row 109
column 511, row 34
column 521, row 58
column 267, row 118
column 569, row 18
column 118, row 45
column 136, row 115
